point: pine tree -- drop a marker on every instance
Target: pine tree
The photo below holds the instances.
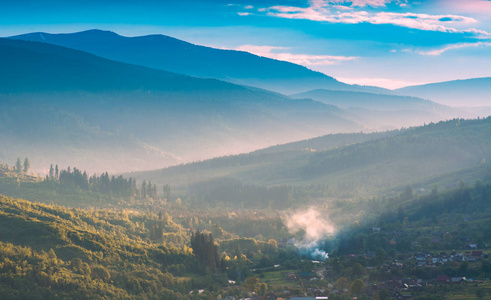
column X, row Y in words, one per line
column 144, row 189
column 51, row 172
column 27, row 165
column 205, row 251
column 18, row 165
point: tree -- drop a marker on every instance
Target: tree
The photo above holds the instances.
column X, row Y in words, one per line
column 205, row 251
column 357, row 287
column 167, row 192
column 143, row 190
column 383, row 295
column 342, row 283
column 27, row 165
column 250, row 283
column 407, row 193
column 18, row 165
column 357, row 270
column 263, row 288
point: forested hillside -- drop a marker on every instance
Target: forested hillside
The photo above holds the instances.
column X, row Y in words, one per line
column 362, row 169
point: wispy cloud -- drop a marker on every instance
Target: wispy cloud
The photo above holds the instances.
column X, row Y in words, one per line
column 356, row 3
column 353, row 12
column 280, row 53
column 388, row 83
column 437, row 52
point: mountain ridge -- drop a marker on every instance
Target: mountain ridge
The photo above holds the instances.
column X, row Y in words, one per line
column 170, row 113
column 171, row 54
column 462, row 92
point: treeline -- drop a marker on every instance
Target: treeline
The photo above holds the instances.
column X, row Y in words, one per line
column 19, row 166
column 105, row 184
column 231, row 191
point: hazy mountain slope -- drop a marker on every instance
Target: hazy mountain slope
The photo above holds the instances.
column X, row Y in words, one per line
column 167, row 53
column 327, row 142
column 384, row 111
column 51, row 135
column 468, row 92
column 163, row 112
column 347, row 99
column 359, row 169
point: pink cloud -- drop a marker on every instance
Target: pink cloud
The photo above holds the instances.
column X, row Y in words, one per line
column 280, row 53
column 328, row 11
column 453, row 47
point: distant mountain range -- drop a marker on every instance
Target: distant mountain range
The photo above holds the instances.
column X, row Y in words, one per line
column 170, row 54
column 173, row 55
column 382, row 111
column 468, row 92
column 64, row 99
column 58, row 103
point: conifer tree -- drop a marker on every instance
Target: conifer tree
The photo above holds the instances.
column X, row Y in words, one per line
column 27, row 165
column 144, row 189
column 18, row 165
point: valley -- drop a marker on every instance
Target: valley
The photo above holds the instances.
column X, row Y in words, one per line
column 144, row 166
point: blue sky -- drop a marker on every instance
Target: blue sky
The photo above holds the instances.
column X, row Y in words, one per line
column 377, row 42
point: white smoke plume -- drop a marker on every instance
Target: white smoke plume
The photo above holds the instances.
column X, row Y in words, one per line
column 315, row 227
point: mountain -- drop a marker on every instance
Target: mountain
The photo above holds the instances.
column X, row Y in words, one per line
column 365, row 166
column 384, row 111
column 49, row 91
column 468, row 92
column 170, row 54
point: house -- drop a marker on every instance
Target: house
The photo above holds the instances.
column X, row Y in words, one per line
column 477, row 253
column 457, row 280
column 470, row 246
column 442, row 278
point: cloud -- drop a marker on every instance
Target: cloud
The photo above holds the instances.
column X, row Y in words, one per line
column 388, row 83
column 337, row 11
column 358, row 3
column 301, row 59
column 476, row 7
column 452, row 47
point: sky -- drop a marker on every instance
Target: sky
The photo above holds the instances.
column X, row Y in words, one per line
column 370, row 42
